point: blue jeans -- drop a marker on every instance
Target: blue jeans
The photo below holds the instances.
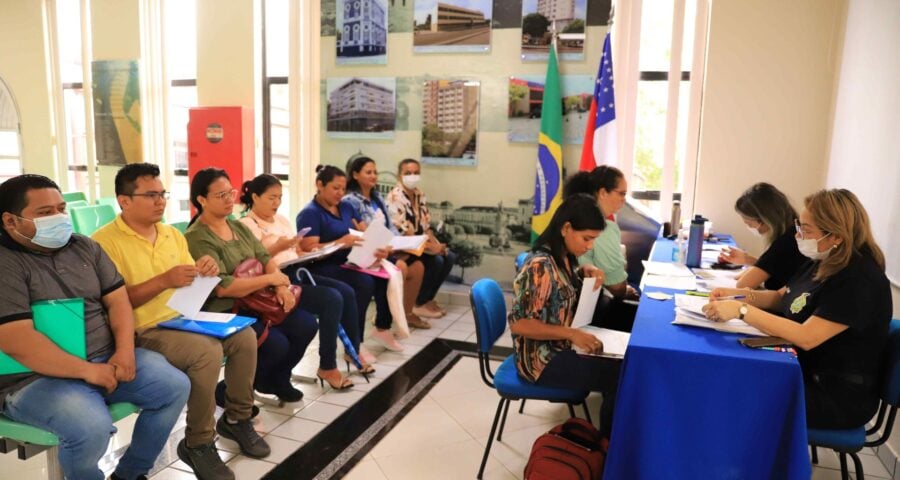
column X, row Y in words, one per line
column 282, row 350
column 437, row 268
column 333, row 302
column 76, row 412
column 365, row 287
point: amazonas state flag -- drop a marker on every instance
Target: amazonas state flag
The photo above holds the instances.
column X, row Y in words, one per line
column 548, row 180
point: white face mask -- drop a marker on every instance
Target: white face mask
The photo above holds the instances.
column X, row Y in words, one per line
column 411, row 181
column 754, row 231
column 809, row 247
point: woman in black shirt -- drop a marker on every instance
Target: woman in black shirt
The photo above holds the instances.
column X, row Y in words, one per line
column 767, row 213
column 836, row 309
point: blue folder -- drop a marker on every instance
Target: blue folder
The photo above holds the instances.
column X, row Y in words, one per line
column 213, row 329
column 62, row 321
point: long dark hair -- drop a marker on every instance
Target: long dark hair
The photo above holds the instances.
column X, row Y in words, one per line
column 355, row 165
column 580, row 211
column 200, row 187
column 766, row 204
column 257, row 186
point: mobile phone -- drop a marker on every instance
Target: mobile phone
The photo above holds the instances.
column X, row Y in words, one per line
column 724, row 266
column 759, row 342
column 303, row 231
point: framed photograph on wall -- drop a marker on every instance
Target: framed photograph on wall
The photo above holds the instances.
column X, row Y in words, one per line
column 542, row 17
column 361, row 32
column 450, row 122
column 526, row 95
column 361, row 107
column 452, row 26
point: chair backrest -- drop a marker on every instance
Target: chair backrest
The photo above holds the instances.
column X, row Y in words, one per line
column 489, row 309
column 111, row 201
column 520, row 260
column 74, row 196
column 86, row 220
column 891, row 383
column 76, row 204
column 181, row 226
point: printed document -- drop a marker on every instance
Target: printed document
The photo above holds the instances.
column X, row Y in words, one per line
column 190, row 299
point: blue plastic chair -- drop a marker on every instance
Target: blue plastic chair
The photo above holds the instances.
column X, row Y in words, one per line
column 850, row 441
column 489, row 309
column 87, row 220
column 520, row 260
column 30, row 441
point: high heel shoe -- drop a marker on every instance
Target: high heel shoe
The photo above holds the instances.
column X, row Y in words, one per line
column 364, row 369
column 343, row 384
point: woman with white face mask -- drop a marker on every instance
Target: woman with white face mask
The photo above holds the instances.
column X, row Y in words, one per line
column 767, row 213
column 836, row 309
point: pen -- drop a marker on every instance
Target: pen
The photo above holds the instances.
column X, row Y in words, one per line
column 733, row 297
column 695, row 293
column 780, row 349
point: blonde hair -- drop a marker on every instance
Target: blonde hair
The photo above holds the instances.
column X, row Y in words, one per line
column 839, row 212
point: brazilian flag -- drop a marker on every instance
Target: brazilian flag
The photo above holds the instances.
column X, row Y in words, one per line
column 548, row 180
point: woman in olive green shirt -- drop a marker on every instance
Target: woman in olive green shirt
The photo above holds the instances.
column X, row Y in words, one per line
column 229, row 243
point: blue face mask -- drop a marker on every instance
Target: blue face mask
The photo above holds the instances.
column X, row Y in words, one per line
column 53, row 231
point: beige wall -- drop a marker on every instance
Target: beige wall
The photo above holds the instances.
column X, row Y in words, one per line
column 767, row 102
column 23, row 69
column 225, row 53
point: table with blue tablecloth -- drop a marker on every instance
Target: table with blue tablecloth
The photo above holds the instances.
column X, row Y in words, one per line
column 693, row 403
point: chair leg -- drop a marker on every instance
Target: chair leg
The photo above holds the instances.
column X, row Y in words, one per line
column 587, row 415
column 815, row 454
column 845, row 475
column 857, row 464
column 522, row 406
column 503, row 420
column 487, row 448
column 571, row 410
column 54, row 469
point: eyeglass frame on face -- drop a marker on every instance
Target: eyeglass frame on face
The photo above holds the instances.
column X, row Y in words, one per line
column 223, row 194
column 798, row 227
column 153, row 196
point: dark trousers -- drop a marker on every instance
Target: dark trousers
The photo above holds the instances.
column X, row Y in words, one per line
column 581, row 372
column 837, row 403
column 437, row 268
column 365, row 287
column 334, row 302
column 282, row 350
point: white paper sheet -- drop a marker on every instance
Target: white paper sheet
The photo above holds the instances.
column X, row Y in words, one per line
column 682, row 317
column 675, row 283
column 710, row 279
column 587, row 302
column 188, row 300
column 212, row 317
column 667, row 269
column 376, row 236
column 322, row 252
column 408, row 243
column 614, row 342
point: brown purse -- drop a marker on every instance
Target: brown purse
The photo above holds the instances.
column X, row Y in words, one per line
column 264, row 302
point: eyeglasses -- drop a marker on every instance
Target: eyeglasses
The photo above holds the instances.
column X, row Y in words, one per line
column 224, row 195
column 153, row 196
column 799, row 230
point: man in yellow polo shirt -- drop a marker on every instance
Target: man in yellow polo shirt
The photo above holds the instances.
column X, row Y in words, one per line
column 154, row 260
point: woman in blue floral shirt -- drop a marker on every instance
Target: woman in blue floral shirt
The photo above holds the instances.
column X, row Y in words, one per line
column 545, row 297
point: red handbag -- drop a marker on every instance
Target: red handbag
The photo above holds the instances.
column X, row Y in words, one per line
column 264, row 302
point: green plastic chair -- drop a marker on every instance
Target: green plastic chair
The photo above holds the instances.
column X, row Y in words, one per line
column 74, row 196
column 30, row 441
column 111, row 201
column 87, row 220
column 181, row 226
column 76, row 204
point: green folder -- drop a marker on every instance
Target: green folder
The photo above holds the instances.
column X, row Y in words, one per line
column 60, row 320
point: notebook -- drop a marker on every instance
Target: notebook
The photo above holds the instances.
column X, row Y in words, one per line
column 62, row 321
column 212, row 329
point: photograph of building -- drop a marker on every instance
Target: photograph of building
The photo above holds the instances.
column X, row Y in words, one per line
column 526, row 97
column 450, row 121
column 452, row 26
column 361, row 35
column 564, row 17
column 361, row 107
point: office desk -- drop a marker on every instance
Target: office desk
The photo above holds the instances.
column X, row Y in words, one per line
column 695, row 404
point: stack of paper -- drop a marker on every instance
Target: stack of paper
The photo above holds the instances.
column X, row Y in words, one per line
column 689, row 311
column 668, row 275
column 376, row 236
column 614, row 341
column 709, row 279
column 321, row 252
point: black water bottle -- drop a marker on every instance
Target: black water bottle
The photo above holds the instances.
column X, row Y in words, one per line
column 695, row 242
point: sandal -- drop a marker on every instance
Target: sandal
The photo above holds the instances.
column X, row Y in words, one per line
column 365, row 370
column 343, row 384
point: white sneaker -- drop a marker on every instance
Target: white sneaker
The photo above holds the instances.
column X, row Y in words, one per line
column 386, row 339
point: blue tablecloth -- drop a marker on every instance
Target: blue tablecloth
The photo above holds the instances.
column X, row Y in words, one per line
column 695, row 404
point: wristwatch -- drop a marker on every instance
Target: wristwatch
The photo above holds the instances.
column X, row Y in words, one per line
column 743, row 311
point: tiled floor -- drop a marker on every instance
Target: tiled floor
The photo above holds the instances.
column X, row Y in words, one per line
column 442, row 437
